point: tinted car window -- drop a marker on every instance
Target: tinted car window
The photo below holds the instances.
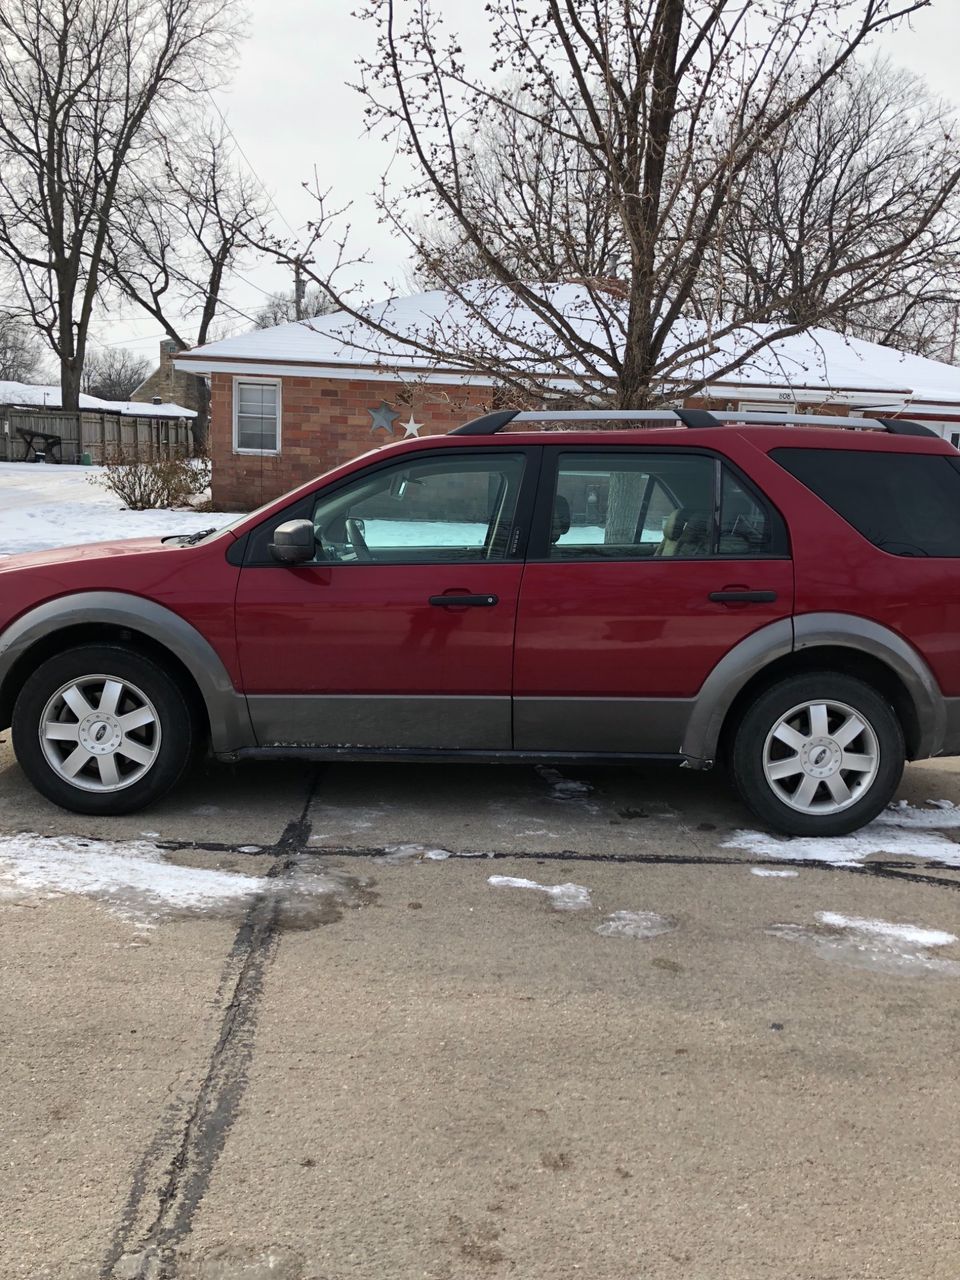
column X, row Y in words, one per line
column 905, row 504
column 622, row 506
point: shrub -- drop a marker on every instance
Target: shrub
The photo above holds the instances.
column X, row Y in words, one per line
column 164, row 482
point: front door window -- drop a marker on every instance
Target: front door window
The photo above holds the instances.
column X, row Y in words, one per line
column 425, row 511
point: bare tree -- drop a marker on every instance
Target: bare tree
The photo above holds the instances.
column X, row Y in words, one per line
column 281, row 308
column 21, row 353
column 666, row 106
column 545, row 207
column 81, row 81
column 851, row 175
column 114, row 373
column 181, row 228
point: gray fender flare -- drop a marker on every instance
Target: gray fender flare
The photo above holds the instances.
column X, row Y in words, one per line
column 809, row 631
column 725, row 681
column 226, row 708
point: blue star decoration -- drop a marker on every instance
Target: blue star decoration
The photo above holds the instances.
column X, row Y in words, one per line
column 383, row 418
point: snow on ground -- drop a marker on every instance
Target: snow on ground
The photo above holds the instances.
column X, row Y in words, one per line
column 880, row 945
column 901, row 831
column 43, row 506
column 133, row 879
column 635, row 924
column 565, row 897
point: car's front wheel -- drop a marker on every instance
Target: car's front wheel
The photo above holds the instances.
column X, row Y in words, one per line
column 102, row 729
column 819, row 754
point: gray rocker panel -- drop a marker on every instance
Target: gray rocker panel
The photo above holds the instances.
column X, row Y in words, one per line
column 649, row 726
column 381, row 720
column 226, row 708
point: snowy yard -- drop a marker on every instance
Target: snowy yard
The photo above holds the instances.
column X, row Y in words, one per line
column 43, row 506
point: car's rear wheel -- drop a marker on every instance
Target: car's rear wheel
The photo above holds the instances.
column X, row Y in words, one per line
column 102, row 729
column 819, row 754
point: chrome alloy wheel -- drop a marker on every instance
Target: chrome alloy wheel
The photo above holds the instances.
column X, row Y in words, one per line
column 100, row 733
column 821, row 757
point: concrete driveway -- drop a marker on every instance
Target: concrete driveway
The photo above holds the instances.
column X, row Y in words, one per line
column 371, row 1022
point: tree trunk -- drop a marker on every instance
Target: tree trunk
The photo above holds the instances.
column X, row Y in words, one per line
column 623, row 506
column 71, row 373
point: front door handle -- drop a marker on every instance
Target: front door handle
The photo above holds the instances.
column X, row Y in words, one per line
column 743, row 597
column 461, row 602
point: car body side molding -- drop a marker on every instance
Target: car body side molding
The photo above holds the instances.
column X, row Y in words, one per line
column 230, row 726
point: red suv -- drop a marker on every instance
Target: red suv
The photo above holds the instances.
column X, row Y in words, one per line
column 687, row 587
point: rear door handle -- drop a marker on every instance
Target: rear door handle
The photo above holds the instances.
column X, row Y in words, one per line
column 743, row 597
column 461, row 602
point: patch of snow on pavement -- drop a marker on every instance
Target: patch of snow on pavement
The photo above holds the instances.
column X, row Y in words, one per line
column 884, row 929
column 43, row 506
column 880, row 945
column 851, row 850
column 635, row 924
column 394, row 854
column 132, row 879
column 565, row 897
column 773, row 872
column 941, row 814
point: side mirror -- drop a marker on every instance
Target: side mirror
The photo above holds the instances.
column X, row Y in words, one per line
column 294, row 542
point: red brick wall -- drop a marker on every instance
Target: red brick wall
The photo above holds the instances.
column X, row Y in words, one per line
column 324, row 422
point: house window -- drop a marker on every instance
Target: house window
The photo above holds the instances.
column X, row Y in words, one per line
column 256, row 416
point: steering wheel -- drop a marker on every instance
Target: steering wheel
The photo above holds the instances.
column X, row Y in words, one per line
column 357, row 540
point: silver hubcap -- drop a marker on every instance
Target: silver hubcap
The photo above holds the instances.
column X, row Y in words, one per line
column 821, row 757
column 100, row 733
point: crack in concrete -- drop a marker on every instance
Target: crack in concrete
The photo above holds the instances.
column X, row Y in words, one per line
column 892, row 868
column 148, row 1255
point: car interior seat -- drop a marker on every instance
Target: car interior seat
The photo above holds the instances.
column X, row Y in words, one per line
column 561, row 518
column 685, row 533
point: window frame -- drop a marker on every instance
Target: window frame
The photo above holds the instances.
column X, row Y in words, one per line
column 539, row 540
column 256, row 556
column 255, row 380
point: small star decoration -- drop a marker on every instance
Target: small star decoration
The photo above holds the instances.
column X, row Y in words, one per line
column 411, row 428
column 383, row 417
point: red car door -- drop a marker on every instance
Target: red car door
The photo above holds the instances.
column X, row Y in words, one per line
column 399, row 634
column 646, row 567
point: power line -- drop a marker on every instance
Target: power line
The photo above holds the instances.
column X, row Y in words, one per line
column 250, row 165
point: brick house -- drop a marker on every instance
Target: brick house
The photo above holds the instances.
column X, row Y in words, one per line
column 168, row 384
column 291, row 402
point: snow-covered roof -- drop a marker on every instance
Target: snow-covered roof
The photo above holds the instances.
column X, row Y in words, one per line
column 26, row 395
column 817, row 360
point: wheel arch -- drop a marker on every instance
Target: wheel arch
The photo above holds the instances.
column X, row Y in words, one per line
column 149, row 628
column 837, row 642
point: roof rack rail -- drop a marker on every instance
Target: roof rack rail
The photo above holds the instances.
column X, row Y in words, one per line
column 491, row 423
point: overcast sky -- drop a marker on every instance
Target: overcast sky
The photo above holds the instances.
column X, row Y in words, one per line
column 290, row 109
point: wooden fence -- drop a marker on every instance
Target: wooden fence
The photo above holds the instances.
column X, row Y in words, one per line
column 99, row 436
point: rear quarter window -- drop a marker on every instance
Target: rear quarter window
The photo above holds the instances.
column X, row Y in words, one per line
column 905, row 504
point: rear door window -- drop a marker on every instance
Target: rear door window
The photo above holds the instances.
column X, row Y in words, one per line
column 907, row 504
column 638, row 504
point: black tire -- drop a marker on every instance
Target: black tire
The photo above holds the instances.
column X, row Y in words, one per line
column 760, row 718
column 178, row 731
